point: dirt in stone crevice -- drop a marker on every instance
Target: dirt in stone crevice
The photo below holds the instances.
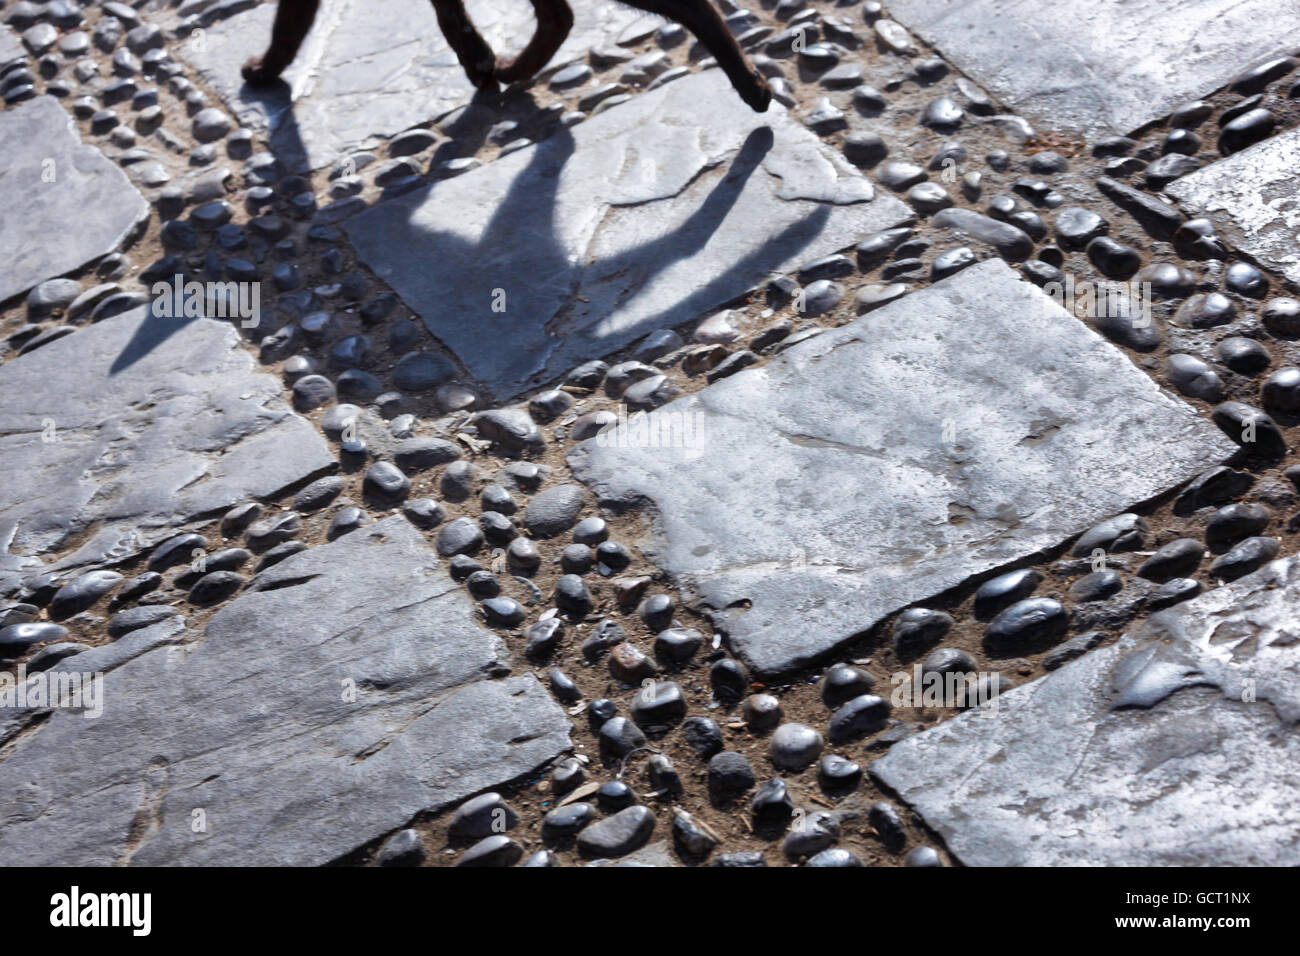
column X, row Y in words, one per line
column 753, row 313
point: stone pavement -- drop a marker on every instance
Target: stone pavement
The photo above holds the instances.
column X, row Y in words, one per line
column 311, row 714
column 165, row 424
column 909, row 472
column 574, row 249
column 1173, row 747
column 354, row 84
column 53, row 177
column 1102, row 68
column 397, row 571
column 1256, row 193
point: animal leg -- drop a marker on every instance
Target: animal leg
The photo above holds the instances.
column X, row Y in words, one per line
column 470, row 48
column 293, row 20
column 702, row 19
column 554, row 21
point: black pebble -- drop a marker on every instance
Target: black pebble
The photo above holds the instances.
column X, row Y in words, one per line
column 728, row 681
column 703, row 736
column 1176, row 559
column 1005, row 589
column 729, row 775
column 1026, row 627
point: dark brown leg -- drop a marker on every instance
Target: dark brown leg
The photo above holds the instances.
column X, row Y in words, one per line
column 554, row 21
column 293, row 20
column 702, row 19
column 471, row 49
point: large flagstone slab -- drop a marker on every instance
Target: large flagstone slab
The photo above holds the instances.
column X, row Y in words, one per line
column 1175, row 747
column 643, row 217
column 51, row 180
column 348, row 689
column 372, row 68
column 118, row 434
column 1102, row 67
column 1254, row 196
column 956, row 430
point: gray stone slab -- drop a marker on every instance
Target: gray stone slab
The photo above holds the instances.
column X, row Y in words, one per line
column 156, row 422
column 946, row 434
column 372, row 68
column 1174, row 747
column 1254, row 196
column 52, row 179
column 250, row 721
column 14, row 567
column 642, row 217
column 11, row 48
column 653, row 854
column 1101, row 68
column 96, row 660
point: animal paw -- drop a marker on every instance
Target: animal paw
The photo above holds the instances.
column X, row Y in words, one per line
column 256, row 73
column 757, row 97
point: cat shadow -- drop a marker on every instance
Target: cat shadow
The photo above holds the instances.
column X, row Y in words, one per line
column 522, row 237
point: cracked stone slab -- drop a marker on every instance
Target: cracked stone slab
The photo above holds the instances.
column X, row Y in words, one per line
column 115, row 436
column 251, row 722
column 947, row 434
column 1174, row 747
column 642, row 217
column 51, row 177
column 1106, row 67
column 371, row 68
column 1254, row 195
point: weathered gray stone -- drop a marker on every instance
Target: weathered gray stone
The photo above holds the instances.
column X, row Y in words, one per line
column 52, row 178
column 618, row 834
column 10, row 47
column 1108, row 69
column 1174, row 747
column 944, row 435
column 1255, row 197
column 136, row 426
column 253, row 722
column 1011, row 243
column 101, row 659
column 14, row 567
column 643, row 217
column 554, row 510
column 356, row 78
column 653, row 854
